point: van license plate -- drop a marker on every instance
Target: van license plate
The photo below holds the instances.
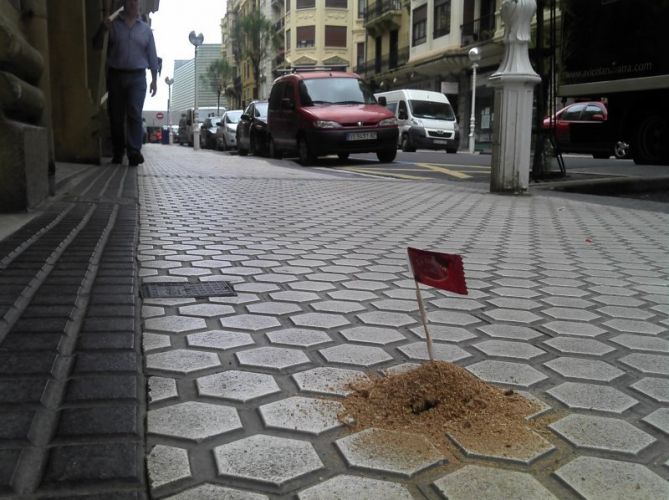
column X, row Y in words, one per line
column 361, row 136
column 440, row 141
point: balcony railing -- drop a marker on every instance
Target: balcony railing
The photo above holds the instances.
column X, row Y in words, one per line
column 386, row 63
column 380, row 8
column 479, row 30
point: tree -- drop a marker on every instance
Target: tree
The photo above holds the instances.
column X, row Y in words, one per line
column 259, row 40
column 218, row 77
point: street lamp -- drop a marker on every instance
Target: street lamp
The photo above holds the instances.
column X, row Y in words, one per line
column 474, row 57
column 196, row 40
column 169, row 81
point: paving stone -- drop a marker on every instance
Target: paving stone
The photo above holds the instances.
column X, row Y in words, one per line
column 273, row 308
column 614, row 300
column 240, row 298
column 444, row 333
column 352, row 295
column 592, row 397
column 574, row 328
column 359, row 355
column 511, row 315
column 634, row 326
column 626, row 312
column 365, row 285
column 251, row 322
column 655, row 388
column 514, row 292
column 167, row 464
column 182, row 361
column 85, row 463
column 161, row 388
column 455, row 303
column 602, row 433
column 327, row 380
column 384, row 318
column 391, row 452
column 275, row 358
column 193, row 420
column 319, row 320
column 206, row 310
column 452, row 318
column 508, row 349
column 291, row 296
column 511, row 451
column 490, row 483
column 174, row 324
column 515, row 303
column 570, row 314
column 189, row 271
column 338, row 306
column 209, row 491
column 153, row 341
column 267, row 459
column 219, row 339
column 256, row 287
column 83, row 422
column 169, row 302
column 345, row 487
column 313, row 286
column 372, row 335
column 642, row 342
column 659, row 419
column 309, row 415
column 574, row 303
column 574, row 345
column 301, row 337
column 599, row 478
column 443, row 352
column 237, row 385
column 647, row 363
column 516, row 332
column 505, row 372
column 590, row 369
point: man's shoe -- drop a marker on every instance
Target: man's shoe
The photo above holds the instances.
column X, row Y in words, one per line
column 135, row 158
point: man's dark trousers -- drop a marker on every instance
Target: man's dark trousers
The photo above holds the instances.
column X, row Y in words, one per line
column 127, row 90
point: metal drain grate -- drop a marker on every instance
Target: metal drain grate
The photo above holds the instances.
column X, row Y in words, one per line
column 179, row 290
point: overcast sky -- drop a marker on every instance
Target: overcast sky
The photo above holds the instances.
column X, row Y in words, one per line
column 171, row 25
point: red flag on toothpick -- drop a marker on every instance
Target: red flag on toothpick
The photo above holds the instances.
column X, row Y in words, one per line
column 440, row 270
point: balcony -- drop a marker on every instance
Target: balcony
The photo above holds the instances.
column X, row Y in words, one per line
column 479, row 30
column 383, row 16
column 387, row 63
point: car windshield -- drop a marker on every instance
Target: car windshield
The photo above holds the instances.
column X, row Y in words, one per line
column 261, row 110
column 326, row 91
column 233, row 116
column 432, row 110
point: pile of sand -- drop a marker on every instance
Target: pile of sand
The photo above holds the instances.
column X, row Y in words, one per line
column 439, row 398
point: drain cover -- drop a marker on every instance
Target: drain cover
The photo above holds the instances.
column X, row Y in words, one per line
column 179, row 290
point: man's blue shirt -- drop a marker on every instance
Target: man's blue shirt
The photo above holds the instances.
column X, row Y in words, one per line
column 131, row 48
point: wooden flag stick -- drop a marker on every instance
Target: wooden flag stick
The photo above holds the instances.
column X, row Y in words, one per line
column 423, row 316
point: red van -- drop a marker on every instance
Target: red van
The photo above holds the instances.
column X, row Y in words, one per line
column 328, row 112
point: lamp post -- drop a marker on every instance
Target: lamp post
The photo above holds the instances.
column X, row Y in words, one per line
column 196, row 40
column 169, row 81
column 474, row 57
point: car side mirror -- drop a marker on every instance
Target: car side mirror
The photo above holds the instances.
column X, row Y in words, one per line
column 402, row 115
column 218, row 124
column 382, row 100
column 598, row 117
column 245, row 118
column 287, row 103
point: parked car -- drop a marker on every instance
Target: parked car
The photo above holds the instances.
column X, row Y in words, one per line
column 581, row 128
column 251, row 131
column 226, row 132
column 208, row 132
column 328, row 112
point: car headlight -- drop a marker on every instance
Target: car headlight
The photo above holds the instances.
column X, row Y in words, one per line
column 326, row 124
column 388, row 122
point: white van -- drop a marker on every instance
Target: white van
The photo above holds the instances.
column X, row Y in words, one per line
column 426, row 119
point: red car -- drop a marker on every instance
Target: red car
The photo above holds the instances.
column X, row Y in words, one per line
column 328, row 112
column 581, row 128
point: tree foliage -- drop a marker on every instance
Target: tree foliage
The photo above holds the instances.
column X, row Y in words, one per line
column 218, row 76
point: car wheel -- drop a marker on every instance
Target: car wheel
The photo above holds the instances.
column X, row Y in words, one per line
column 240, row 149
column 406, row 144
column 387, row 155
column 304, row 152
column 273, row 151
column 651, row 145
column 253, row 145
column 621, row 149
column 452, row 151
column 343, row 156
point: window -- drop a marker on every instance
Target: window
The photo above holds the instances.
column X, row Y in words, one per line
column 402, row 112
column 305, row 4
column 305, row 36
column 362, row 8
column 419, row 25
column 572, row 112
column 336, row 4
column 288, row 6
column 275, row 96
column 442, row 18
column 360, row 57
column 335, row 36
column 287, row 39
column 590, row 111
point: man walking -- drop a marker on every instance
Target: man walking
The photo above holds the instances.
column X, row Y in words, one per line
column 131, row 51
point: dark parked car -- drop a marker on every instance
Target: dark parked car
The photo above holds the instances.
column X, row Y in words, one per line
column 208, row 132
column 252, row 129
column 581, row 128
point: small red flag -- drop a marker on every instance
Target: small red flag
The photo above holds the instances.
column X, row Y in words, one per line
column 440, row 270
